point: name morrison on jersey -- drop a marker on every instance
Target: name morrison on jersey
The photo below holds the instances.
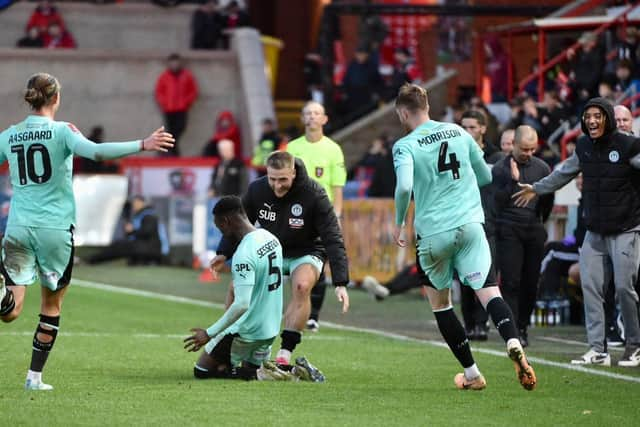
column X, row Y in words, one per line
column 439, row 136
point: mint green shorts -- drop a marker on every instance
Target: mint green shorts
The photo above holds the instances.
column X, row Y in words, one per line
column 32, row 252
column 289, row 265
column 235, row 350
column 464, row 249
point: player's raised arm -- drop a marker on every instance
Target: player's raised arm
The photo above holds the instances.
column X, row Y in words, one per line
column 159, row 140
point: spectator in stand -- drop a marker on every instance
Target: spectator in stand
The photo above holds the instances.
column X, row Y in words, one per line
column 506, row 141
column 234, row 17
column 31, row 39
column 497, row 68
column 551, row 114
column 404, row 71
column 383, row 179
column 531, row 88
column 366, row 163
column 586, row 69
column 176, row 91
column 624, row 78
column 58, row 37
column 43, row 16
column 520, row 233
column 312, row 70
column 229, row 177
column 605, row 90
column 226, row 128
column 361, row 83
column 268, row 143
column 206, row 26
column 627, row 49
column 624, row 119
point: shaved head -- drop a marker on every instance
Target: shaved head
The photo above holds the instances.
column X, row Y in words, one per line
column 525, row 143
column 624, row 118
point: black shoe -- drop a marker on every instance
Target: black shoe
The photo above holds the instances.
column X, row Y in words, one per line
column 613, row 337
column 524, row 338
column 481, row 333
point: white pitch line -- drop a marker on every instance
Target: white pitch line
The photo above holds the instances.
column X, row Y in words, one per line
column 400, row 337
column 74, row 334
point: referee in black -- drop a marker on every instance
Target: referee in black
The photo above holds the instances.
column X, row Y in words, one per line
column 520, row 233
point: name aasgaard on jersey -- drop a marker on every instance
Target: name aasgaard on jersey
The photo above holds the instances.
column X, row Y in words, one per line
column 267, row 248
column 439, row 136
column 30, row 135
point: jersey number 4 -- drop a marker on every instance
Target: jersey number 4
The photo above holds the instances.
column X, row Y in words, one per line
column 274, row 269
column 453, row 165
column 27, row 163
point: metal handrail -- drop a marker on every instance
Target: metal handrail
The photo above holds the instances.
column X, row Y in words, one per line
column 562, row 56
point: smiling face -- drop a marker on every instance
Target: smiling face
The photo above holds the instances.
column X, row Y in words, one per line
column 475, row 129
column 280, row 180
column 594, row 119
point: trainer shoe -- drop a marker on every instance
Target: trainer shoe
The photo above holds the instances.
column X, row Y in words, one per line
column 462, row 383
column 313, row 325
column 631, row 357
column 307, row 372
column 269, row 371
column 37, row 386
column 371, row 285
column 524, row 371
column 593, row 357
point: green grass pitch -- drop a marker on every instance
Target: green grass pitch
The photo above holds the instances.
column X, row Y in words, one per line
column 119, row 361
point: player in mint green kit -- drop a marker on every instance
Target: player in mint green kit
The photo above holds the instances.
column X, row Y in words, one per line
column 238, row 345
column 443, row 167
column 38, row 241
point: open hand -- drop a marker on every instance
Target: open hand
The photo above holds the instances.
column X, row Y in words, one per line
column 159, row 140
column 524, row 196
column 197, row 340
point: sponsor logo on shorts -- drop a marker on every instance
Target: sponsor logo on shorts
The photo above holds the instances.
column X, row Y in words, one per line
column 296, row 209
column 51, row 277
column 473, row 276
column 296, row 222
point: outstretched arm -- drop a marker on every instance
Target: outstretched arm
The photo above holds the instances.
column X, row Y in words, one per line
column 557, row 179
column 157, row 141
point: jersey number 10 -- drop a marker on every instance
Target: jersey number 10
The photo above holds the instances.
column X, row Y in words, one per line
column 453, row 165
column 27, row 163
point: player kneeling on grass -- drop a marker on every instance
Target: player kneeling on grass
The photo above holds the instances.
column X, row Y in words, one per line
column 238, row 345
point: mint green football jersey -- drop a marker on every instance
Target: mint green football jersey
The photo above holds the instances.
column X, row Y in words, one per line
column 445, row 188
column 257, row 263
column 40, row 155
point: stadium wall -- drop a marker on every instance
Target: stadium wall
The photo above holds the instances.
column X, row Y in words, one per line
column 115, row 90
column 128, row 26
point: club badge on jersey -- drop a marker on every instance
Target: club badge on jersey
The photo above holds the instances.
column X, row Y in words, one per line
column 319, row 172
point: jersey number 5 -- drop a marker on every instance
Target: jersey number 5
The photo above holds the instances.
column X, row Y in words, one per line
column 453, row 165
column 274, row 269
column 27, row 164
